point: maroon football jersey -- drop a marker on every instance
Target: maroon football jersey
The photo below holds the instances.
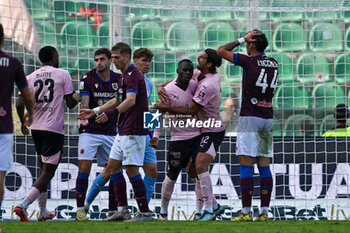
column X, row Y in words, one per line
column 99, row 92
column 260, row 78
column 131, row 121
column 11, row 71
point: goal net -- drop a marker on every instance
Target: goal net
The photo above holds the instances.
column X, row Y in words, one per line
column 310, row 39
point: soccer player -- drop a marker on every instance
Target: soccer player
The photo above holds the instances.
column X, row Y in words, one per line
column 184, row 142
column 50, row 86
column 11, row 71
column 206, row 104
column 142, row 61
column 129, row 145
column 255, row 124
column 97, row 87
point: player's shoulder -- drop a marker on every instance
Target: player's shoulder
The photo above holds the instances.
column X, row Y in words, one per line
column 134, row 72
column 115, row 75
column 88, row 76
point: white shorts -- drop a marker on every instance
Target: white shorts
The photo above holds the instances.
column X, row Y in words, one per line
column 254, row 137
column 90, row 145
column 129, row 148
column 6, row 152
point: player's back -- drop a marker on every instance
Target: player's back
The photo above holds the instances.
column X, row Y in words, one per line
column 49, row 85
column 260, row 77
column 11, row 71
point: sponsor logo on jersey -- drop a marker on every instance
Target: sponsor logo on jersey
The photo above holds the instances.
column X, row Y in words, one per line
column 85, row 76
column 2, row 112
column 261, row 103
column 104, row 94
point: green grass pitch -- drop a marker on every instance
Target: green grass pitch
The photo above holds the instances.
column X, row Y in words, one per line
column 180, row 227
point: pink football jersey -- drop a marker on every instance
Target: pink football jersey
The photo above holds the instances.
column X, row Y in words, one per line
column 49, row 85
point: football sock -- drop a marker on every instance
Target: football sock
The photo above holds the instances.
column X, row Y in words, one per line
column 112, row 200
column 199, row 196
column 95, row 189
column 42, row 199
column 140, row 193
column 81, row 186
column 120, row 188
column 167, row 190
column 247, row 186
column 207, row 190
column 31, row 196
column 265, row 186
column 149, row 183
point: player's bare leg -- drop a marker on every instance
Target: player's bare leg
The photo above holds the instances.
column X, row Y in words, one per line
column 47, row 171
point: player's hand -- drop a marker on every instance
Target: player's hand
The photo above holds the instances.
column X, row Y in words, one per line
column 101, row 118
column 248, row 37
column 27, row 119
column 162, row 94
column 86, row 114
column 154, row 142
column 160, row 106
column 25, row 130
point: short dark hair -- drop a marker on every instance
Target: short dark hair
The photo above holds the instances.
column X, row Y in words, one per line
column 143, row 52
column 341, row 112
column 122, row 48
column 1, row 32
column 46, row 54
column 261, row 42
column 214, row 59
column 104, row 51
column 185, row 60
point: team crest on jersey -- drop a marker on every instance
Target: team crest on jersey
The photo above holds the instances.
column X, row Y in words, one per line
column 96, row 85
column 2, row 112
column 115, row 86
column 121, row 90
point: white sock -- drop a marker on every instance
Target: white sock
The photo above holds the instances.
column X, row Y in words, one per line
column 43, row 211
column 121, row 208
column 164, row 209
column 215, row 206
column 264, row 210
column 246, row 210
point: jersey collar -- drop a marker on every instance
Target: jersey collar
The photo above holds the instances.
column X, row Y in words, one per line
column 261, row 55
column 110, row 77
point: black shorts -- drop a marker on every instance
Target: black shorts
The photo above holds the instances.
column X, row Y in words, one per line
column 47, row 143
column 211, row 141
column 180, row 152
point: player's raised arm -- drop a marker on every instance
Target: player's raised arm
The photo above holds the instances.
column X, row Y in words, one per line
column 225, row 51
